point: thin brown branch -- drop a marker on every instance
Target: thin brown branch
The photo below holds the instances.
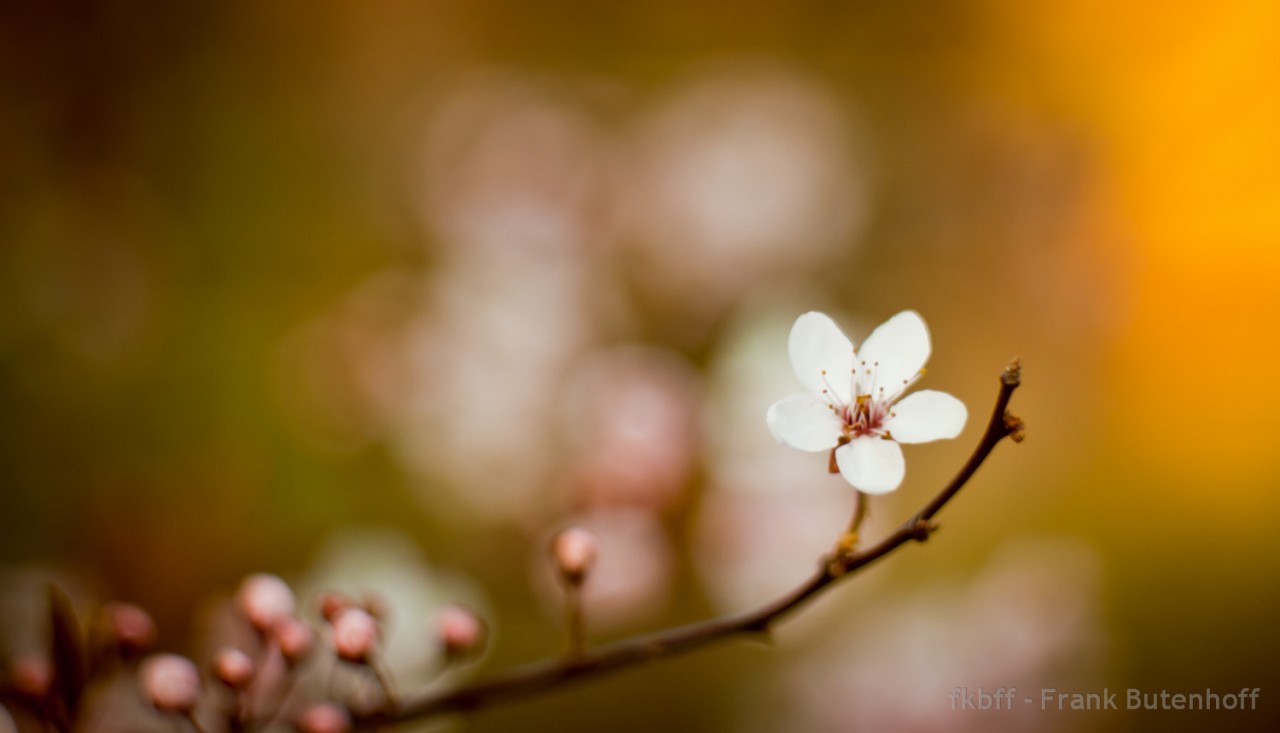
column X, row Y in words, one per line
column 537, row 677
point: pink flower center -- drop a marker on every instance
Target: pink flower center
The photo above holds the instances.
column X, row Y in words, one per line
column 864, row 417
column 867, row 413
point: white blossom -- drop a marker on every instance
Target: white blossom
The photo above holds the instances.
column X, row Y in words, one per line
column 855, row 401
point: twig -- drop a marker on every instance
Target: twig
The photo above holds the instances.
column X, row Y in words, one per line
column 531, row 679
column 195, row 724
column 382, row 675
column 573, row 619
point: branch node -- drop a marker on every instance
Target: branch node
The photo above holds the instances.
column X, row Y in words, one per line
column 761, row 631
column 1014, row 427
column 835, row 564
column 922, row 529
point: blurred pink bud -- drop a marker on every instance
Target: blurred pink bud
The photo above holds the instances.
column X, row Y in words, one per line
column 171, row 683
column 461, row 631
column 31, row 675
column 333, row 602
column 324, row 717
column 264, row 599
column 233, row 668
column 354, row 634
column 130, row 626
column 574, row 550
column 294, row 637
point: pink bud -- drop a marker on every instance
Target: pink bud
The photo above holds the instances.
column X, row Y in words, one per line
column 171, row 682
column 131, row 627
column 354, row 634
column 264, row 599
column 233, row 668
column 31, row 675
column 461, row 631
column 294, row 637
column 324, row 717
column 574, row 550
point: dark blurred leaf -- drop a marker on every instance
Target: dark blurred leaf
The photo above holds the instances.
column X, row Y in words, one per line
column 68, row 652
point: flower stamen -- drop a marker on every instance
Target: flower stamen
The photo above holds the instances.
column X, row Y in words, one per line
column 830, row 395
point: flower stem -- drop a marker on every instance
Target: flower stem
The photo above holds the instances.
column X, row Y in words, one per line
column 860, row 506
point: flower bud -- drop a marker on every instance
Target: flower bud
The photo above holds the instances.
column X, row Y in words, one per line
column 355, row 633
column 31, row 676
column 264, row 599
column 294, row 638
column 233, row 668
column 574, row 551
column 324, row 717
column 461, row 632
column 171, row 683
column 131, row 627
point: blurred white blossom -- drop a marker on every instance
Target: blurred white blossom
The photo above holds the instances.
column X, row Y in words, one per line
column 630, row 419
column 743, row 172
column 512, row 164
column 489, row 358
column 544, row 220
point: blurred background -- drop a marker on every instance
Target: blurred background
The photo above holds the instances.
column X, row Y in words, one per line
column 379, row 297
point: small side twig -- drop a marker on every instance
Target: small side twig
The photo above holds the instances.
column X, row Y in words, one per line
column 577, row 645
column 528, row 680
column 382, row 675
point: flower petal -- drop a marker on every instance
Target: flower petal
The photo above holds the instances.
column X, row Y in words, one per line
column 804, row 421
column 873, row 465
column 822, row 356
column 893, row 355
column 926, row 415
